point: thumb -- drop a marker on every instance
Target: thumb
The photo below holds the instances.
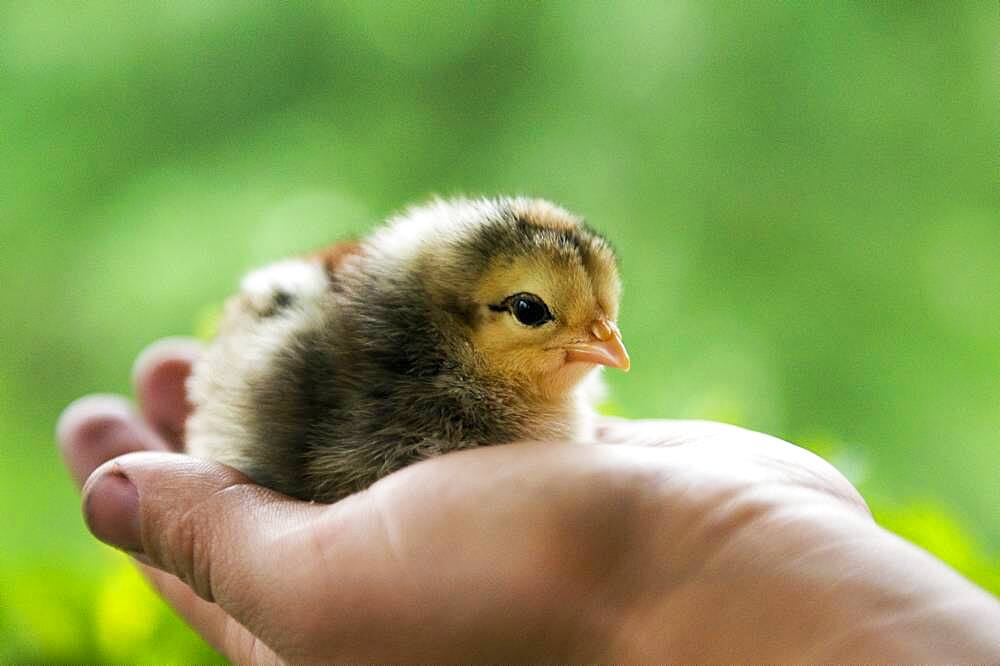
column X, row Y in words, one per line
column 204, row 522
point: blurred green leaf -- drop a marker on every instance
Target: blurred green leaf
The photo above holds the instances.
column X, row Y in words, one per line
column 125, row 612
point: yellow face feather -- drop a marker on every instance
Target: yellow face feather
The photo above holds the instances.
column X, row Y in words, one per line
column 536, row 356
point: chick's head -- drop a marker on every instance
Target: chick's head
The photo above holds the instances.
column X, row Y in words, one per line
column 538, row 288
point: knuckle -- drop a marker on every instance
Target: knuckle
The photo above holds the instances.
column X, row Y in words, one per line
column 195, row 542
column 188, row 548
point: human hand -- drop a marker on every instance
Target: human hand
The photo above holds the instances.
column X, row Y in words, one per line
column 684, row 541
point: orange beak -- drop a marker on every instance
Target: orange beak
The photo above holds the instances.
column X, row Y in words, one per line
column 605, row 349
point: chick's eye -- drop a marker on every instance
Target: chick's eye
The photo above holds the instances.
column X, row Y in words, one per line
column 529, row 311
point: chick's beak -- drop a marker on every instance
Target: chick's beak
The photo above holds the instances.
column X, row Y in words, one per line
column 606, row 348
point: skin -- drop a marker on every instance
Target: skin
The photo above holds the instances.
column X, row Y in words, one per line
column 664, row 541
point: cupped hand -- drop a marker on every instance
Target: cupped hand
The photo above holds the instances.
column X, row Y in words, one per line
column 662, row 540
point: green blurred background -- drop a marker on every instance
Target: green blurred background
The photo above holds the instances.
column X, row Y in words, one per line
column 804, row 195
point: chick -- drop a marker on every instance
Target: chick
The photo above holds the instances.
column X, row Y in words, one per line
column 459, row 323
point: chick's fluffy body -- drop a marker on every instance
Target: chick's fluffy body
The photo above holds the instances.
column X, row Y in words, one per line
column 331, row 371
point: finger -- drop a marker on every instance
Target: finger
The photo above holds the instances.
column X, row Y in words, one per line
column 97, row 428
column 751, row 451
column 213, row 624
column 615, row 430
column 660, row 432
column 159, row 377
column 202, row 522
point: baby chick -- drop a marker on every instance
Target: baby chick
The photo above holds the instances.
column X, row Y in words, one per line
column 459, row 323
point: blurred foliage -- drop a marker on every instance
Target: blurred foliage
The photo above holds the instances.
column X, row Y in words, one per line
column 804, row 196
column 104, row 613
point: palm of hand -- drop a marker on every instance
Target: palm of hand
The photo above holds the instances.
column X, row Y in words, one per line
column 527, row 551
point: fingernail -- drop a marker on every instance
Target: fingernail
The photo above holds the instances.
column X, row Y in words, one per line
column 111, row 509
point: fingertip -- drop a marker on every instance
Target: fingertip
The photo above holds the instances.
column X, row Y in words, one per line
column 160, row 375
column 82, row 413
column 166, row 350
column 607, row 428
column 95, row 429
